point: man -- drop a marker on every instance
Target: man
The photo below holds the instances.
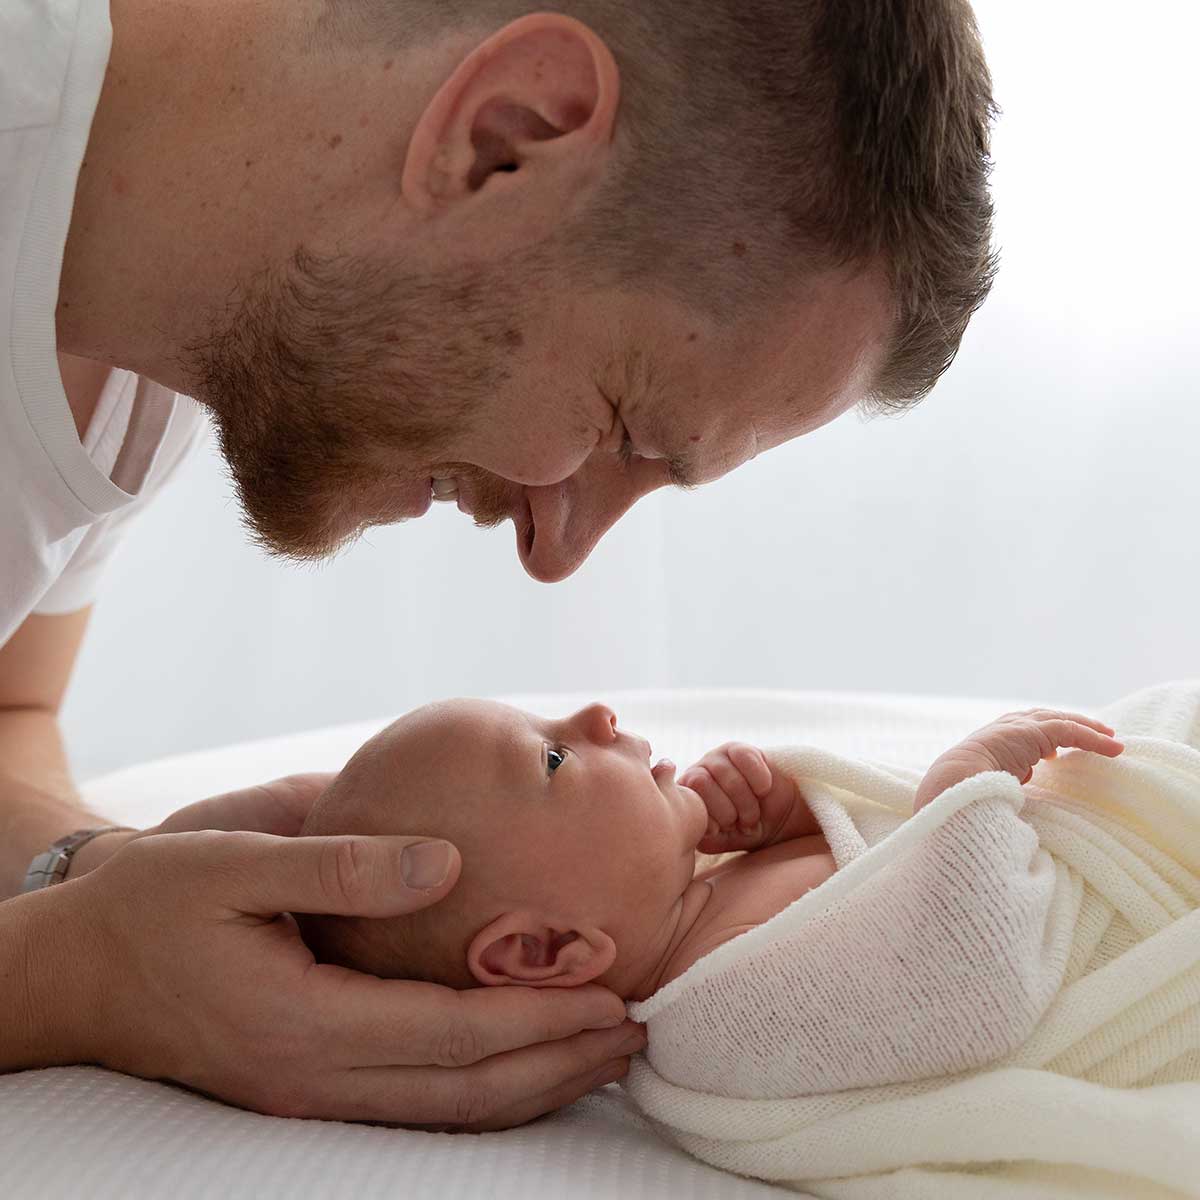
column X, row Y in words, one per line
column 537, row 263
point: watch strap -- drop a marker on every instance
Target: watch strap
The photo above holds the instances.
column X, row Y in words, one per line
column 51, row 866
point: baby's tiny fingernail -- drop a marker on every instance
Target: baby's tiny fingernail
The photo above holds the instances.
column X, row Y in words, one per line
column 425, row 864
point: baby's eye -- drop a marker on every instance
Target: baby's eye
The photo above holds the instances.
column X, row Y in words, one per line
column 555, row 757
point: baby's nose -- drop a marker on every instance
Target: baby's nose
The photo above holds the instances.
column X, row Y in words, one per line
column 599, row 722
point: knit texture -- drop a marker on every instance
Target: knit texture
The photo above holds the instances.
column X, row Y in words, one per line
column 1000, row 992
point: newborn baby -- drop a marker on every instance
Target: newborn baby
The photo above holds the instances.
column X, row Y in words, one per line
column 913, row 985
column 584, row 861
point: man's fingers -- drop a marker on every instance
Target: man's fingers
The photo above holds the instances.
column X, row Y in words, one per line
column 532, row 1107
column 497, row 1092
column 369, row 1022
column 348, row 875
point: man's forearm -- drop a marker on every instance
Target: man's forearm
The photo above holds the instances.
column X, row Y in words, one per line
column 38, row 799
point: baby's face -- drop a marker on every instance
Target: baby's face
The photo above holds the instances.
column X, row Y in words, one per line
column 576, row 847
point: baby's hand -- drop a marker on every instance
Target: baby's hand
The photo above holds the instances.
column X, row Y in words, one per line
column 748, row 803
column 1016, row 743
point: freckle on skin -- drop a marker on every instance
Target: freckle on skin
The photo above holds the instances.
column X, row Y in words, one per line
column 120, row 184
column 308, row 137
column 692, row 337
column 739, row 248
column 693, row 437
column 335, row 141
column 387, row 66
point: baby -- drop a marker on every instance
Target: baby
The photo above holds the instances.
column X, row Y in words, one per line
column 582, row 859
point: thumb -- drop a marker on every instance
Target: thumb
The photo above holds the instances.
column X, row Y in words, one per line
column 349, row 875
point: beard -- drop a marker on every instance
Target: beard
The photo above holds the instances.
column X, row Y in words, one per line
column 335, row 382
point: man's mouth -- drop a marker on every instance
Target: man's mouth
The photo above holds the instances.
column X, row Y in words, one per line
column 451, row 489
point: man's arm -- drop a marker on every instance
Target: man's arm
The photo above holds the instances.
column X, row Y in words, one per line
column 38, row 799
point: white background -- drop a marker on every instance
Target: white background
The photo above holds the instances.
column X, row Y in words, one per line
column 1031, row 530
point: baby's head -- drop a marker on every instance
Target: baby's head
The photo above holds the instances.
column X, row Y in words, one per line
column 576, row 851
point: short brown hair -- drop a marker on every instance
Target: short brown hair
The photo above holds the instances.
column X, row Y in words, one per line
column 804, row 134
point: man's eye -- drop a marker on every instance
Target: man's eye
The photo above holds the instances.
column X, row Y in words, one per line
column 555, row 757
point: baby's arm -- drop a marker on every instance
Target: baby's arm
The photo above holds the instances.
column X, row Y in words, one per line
column 751, row 803
column 1015, row 743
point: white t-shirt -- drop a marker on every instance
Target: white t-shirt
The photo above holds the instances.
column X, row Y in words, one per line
column 63, row 502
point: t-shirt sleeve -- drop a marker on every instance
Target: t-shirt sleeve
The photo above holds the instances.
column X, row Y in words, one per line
column 79, row 583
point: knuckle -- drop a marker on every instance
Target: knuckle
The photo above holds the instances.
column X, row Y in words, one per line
column 342, row 869
column 475, row 1104
column 458, row 1045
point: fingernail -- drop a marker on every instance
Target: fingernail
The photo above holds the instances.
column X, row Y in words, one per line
column 425, row 864
column 610, row 1022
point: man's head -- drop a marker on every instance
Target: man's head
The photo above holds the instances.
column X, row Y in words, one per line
column 561, row 259
column 575, row 849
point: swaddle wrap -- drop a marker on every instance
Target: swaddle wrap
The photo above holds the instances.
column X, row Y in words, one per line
column 999, row 996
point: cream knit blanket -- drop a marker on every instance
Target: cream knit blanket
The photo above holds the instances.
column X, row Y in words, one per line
column 998, row 997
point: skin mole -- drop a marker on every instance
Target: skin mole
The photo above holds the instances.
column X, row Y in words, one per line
column 335, row 141
column 739, row 248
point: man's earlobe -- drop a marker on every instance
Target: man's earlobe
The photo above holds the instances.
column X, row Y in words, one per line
column 530, row 84
column 524, row 948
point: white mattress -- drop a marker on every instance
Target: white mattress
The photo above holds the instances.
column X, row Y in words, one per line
column 85, row 1132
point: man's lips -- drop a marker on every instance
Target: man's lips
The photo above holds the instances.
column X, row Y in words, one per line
column 488, row 508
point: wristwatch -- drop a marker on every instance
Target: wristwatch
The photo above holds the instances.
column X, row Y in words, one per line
column 51, row 865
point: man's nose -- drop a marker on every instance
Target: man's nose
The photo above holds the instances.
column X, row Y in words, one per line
column 570, row 517
column 596, row 723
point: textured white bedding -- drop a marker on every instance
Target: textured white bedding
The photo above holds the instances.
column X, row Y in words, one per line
column 84, row 1132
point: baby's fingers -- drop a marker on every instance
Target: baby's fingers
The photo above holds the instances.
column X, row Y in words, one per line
column 752, row 763
column 1067, row 732
column 1053, row 714
column 733, row 783
column 721, row 810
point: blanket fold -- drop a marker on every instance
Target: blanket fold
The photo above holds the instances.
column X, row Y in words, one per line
column 1001, row 992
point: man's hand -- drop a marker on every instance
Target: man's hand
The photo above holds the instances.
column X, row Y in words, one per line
column 184, row 965
column 279, row 807
column 1016, row 743
column 749, row 804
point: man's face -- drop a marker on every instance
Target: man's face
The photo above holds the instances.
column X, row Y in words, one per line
column 342, row 394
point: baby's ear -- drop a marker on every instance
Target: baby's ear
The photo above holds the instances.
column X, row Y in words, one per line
column 524, row 948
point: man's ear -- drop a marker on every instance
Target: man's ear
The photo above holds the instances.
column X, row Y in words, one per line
column 543, row 87
column 524, row 948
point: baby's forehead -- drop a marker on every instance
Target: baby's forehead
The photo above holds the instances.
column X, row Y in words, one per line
column 464, row 739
